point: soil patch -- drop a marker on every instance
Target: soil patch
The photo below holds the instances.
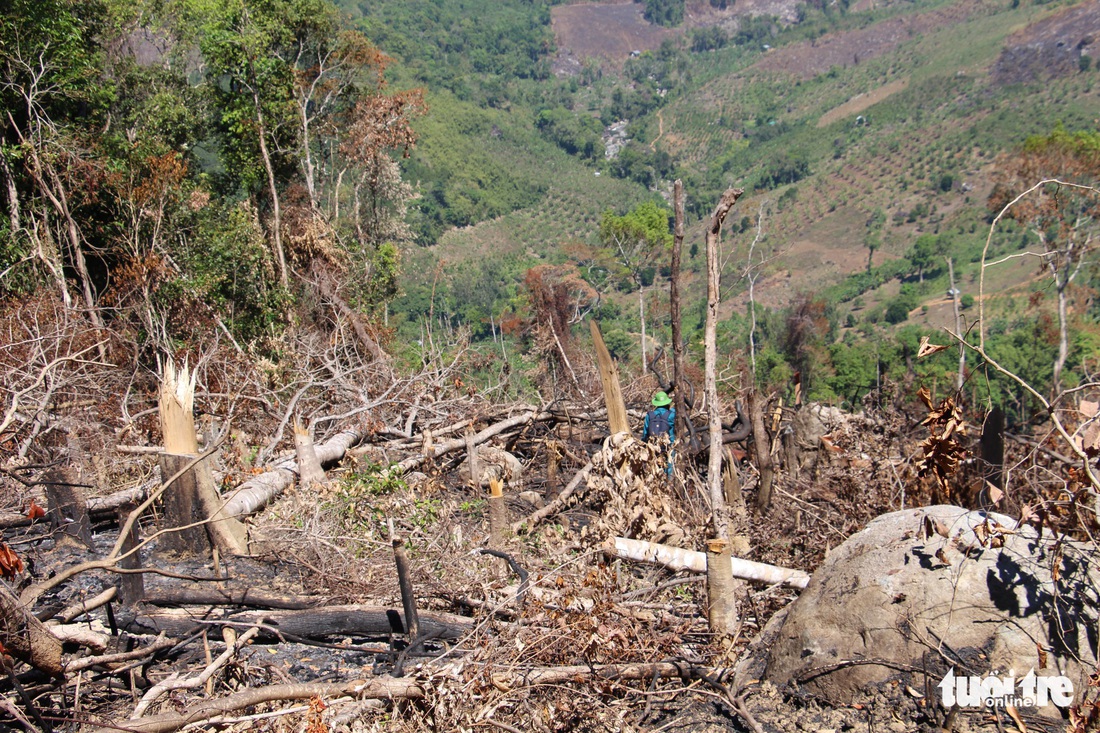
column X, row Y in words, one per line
column 861, row 102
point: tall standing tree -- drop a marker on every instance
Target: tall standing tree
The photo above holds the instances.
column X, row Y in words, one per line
column 1050, row 187
column 638, row 239
column 52, row 86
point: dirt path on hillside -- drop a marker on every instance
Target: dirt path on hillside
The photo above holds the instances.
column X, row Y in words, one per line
column 660, row 131
column 861, row 102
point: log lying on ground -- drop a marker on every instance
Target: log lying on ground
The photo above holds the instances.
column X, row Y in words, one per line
column 254, row 494
column 675, row 558
column 98, row 506
column 315, row 623
column 230, row 597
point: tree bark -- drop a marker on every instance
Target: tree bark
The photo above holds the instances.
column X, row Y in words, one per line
column 714, row 410
column 721, row 595
column 761, row 451
column 675, row 558
column 253, row 495
column 313, row 623
column 612, row 390
column 310, row 472
column 25, row 637
column 273, row 189
column 131, row 586
column 68, row 512
column 682, row 417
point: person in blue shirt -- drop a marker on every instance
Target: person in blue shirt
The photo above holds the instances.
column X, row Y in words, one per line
column 659, row 421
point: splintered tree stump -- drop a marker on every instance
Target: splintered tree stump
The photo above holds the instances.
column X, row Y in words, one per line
column 68, row 510
column 194, row 497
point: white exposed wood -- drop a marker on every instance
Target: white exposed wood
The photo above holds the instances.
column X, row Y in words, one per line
column 176, row 407
column 254, row 494
column 676, row 558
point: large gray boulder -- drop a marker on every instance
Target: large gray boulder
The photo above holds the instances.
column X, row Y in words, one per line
column 921, row 591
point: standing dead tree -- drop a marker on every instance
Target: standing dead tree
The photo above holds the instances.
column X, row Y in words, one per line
column 714, row 463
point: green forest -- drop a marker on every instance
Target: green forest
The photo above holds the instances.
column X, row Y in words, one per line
column 187, row 170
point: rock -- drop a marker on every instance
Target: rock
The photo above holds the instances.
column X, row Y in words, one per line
column 891, row 594
column 416, row 479
column 496, row 463
column 533, row 498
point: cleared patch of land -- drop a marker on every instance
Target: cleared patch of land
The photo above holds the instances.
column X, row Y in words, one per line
column 861, row 102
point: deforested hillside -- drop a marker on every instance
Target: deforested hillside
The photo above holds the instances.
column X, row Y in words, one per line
column 518, row 365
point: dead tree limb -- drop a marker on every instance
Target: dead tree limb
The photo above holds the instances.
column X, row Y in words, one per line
column 556, row 505
column 492, row 431
column 230, row 597
column 174, row 682
column 384, row 688
column 710, row 339
column 313, row 623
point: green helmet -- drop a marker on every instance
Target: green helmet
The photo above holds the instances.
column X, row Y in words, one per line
column 661, row 399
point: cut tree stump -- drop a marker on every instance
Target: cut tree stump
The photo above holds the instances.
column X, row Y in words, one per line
column 68, row 511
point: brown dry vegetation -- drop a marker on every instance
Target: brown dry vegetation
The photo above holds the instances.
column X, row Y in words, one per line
column 527, row 652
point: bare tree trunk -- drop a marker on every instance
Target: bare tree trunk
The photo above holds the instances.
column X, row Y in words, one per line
column 958, row 325
column 273, row 190
column 131, row 586
column 1063, row 339
column 674, row 311
column 721, row 596
column 195, row 497
column 714, row 463
column 498, row 513
column 676, row 558
column 612, row 390
column 310, row 472
column 641, row 318
column 408, row 597
column 68, row 511
column 761, row 451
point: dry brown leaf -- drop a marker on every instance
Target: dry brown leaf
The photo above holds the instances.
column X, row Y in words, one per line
column 927, row 349
column 10, row 564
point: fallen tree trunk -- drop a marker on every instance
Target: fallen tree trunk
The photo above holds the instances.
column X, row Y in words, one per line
column 254, row 494
column 230, row 597
column 675, row 558
column 314, row 623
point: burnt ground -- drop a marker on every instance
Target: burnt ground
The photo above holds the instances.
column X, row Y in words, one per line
column 1054, row 46
column 610, row 31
